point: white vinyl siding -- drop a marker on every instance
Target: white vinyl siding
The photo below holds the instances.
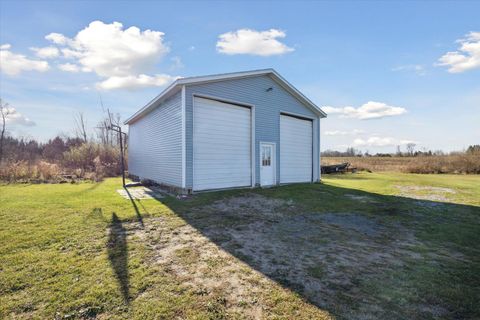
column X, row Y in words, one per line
column 155, row 144
column 221, row 145
column 266, row 109
column 155, row 148
column 295, row 149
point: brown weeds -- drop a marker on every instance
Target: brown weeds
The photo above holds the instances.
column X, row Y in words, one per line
column 88, row 161
column 458, row 163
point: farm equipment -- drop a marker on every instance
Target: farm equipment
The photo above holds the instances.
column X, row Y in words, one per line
column 338, row 168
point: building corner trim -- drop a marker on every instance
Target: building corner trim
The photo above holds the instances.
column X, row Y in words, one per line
column 184, row 136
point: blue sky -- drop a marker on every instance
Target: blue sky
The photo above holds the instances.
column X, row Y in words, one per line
column 381, row 68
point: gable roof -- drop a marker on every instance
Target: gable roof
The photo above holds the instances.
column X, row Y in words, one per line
column 177, row 85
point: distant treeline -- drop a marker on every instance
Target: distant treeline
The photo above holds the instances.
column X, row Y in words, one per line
column 59, row 159
column 30, row 150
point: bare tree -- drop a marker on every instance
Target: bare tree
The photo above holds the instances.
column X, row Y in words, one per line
column 399, row 151
column 411, row 148
column 351, row 152
column 106, row 136
column 103, row 134
column 103, row 128
column 80, row 126
column 5, row 110
column 102, row 131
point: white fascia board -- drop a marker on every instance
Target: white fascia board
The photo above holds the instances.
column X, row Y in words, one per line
column 151, row 103
column 295, row 92
column 224, row 76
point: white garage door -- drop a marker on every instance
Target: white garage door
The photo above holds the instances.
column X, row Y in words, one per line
column 221, row 145
column 295, row 150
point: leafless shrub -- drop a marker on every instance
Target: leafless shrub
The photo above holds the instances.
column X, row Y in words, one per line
column 14, row 171
column 48, row 171
column 104, row 160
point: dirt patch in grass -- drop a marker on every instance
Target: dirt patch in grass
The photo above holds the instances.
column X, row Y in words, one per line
column 354, row 222
column 232, row 250
column 227, row 286
column 322, row 256
column 140, row 193
column 209, row 271
column 363, row 199
column 250, row 204
column 425, row 192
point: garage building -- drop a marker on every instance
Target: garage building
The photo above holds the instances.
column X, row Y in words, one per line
column 242, row 129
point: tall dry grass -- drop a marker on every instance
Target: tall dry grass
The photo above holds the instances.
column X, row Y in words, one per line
column 458, row 163
column 90, row 161
column 23, row 171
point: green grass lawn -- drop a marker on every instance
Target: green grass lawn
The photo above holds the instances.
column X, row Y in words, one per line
column 81, row 250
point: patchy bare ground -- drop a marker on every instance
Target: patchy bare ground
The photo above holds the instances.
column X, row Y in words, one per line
column 425, row 192
column 199, row 261
column 363, row 199
column 140, row 193
column 235, row 247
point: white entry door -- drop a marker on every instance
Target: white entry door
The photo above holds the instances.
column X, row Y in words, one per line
column 267, row 164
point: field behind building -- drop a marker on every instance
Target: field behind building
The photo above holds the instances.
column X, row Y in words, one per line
column 455, row 163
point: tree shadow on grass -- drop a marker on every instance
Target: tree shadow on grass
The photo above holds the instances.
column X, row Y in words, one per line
column 118, row 254
column 367, row 255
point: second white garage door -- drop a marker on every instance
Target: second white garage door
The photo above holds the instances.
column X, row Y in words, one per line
column 221, row 145
column 295, row 149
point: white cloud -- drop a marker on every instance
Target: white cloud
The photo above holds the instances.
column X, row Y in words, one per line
column 466, row 58
column 369, row 110
column 122, row 57
column 376, row 141
column 5, row 46
column 135, row 82
column 69, row 67
column 417, row 68
column 343, row 133
column 13, row 63
column 46, row 52
column 57, row 38
column 336, row 133
column 16, row 118
column 70, row 54
column 248, row 41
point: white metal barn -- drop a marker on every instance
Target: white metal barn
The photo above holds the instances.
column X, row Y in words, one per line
column 241, row 129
